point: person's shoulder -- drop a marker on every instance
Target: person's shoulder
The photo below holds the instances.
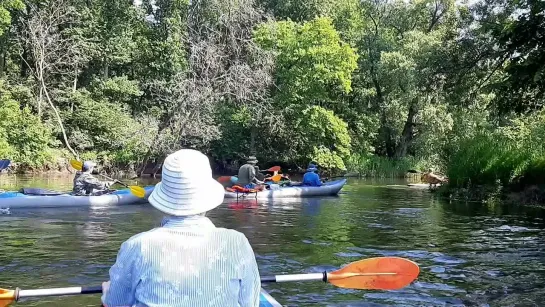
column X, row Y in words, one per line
column 138, row 238
column 231, row 234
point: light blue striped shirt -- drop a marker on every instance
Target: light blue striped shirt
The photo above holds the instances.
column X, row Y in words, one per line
column 186, row 262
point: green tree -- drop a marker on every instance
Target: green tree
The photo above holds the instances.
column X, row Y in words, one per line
column 23, row 138
column 5, row 16
column 313, row 64
column 321, row 136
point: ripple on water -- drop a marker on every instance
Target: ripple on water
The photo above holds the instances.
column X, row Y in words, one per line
column 316, row 243
column 448, row 260
column 349, row 255
column 507, row 228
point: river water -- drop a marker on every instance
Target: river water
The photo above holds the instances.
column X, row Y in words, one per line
column 469, row 254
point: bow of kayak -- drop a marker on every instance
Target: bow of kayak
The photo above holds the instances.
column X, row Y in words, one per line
column 16, row 200
column 266, row 300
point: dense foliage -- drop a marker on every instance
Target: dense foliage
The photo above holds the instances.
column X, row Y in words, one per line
column 376, row 87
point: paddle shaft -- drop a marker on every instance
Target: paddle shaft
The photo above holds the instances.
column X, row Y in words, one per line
column 98, row 289
column 57, row 291
column 110, row 178
column 266, row 279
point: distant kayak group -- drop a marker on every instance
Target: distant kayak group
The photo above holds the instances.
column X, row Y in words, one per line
column 91, row 191
column 249, row 184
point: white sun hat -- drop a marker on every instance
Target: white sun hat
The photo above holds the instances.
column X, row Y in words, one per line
column 187, row 186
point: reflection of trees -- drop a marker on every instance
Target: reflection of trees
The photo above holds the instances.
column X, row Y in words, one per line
column 497, row 209
column 61, row 182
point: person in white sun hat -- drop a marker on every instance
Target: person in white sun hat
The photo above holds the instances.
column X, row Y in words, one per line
column 187, row 261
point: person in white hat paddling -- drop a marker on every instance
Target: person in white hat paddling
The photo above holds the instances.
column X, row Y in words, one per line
column 86, row 184
column 187, row 261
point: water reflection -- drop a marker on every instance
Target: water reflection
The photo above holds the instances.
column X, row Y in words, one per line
column 470, row 254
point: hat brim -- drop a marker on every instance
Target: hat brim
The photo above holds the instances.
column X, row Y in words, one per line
column 205, row 198
column 312, row 169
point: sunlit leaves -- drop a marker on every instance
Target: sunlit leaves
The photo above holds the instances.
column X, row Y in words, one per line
column 313, row 65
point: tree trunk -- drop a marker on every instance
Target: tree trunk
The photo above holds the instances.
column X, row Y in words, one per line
column 2, row 57
column 386, row 133
column 59, row 119
column 105, row 70
column 384, row 129
column 408, row 132
column 75, row 84
column 253, row 135
column 24, row 63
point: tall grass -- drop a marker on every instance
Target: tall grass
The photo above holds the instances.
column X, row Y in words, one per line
column 502, row 156
column 381, row 167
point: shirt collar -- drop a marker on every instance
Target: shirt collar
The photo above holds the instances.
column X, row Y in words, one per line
column 194, row 221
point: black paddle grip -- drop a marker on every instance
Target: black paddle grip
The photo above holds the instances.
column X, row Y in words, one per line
column 268, row 279
column 91, row 290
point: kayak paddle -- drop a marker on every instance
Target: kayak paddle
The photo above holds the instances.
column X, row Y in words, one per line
column 381, row 273
column 136, row 190
column 4, row 164
column 224, row 179
column 273, row 169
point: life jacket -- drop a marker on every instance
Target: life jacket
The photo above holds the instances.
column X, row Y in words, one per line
column 239, row 189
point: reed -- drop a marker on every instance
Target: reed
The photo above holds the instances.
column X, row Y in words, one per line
column 382, row 167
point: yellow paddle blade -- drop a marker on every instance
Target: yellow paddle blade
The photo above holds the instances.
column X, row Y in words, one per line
column 276, row 178
column 137, row 191
column 76, row 164
column 382, row 273
column 6, row 297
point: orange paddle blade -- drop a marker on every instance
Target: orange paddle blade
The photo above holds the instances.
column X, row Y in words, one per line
column 223, row 179
column 6, row 297
column 276, row 178
column 381, row 273
column 274, row 169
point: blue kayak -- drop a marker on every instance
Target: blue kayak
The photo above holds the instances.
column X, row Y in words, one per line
column 40, row 198
column 330, row 188
column 266, row 300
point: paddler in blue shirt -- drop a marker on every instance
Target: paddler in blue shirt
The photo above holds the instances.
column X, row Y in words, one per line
column 187, row 261
column 311, row 178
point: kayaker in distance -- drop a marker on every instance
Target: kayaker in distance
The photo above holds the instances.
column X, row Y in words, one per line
column 247, row 174
column 86, row 184
column 187, row 261
column 311, row 177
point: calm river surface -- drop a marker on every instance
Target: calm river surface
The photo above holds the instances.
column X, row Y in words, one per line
column 469, row 254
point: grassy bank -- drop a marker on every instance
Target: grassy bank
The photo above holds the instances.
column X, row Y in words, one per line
column 370, row 166
column 506, row 164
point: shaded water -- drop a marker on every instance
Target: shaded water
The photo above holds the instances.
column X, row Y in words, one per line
column 469, row 254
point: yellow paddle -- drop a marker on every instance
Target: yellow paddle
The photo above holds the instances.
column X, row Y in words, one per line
column 381, row 273
column 136, row 190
